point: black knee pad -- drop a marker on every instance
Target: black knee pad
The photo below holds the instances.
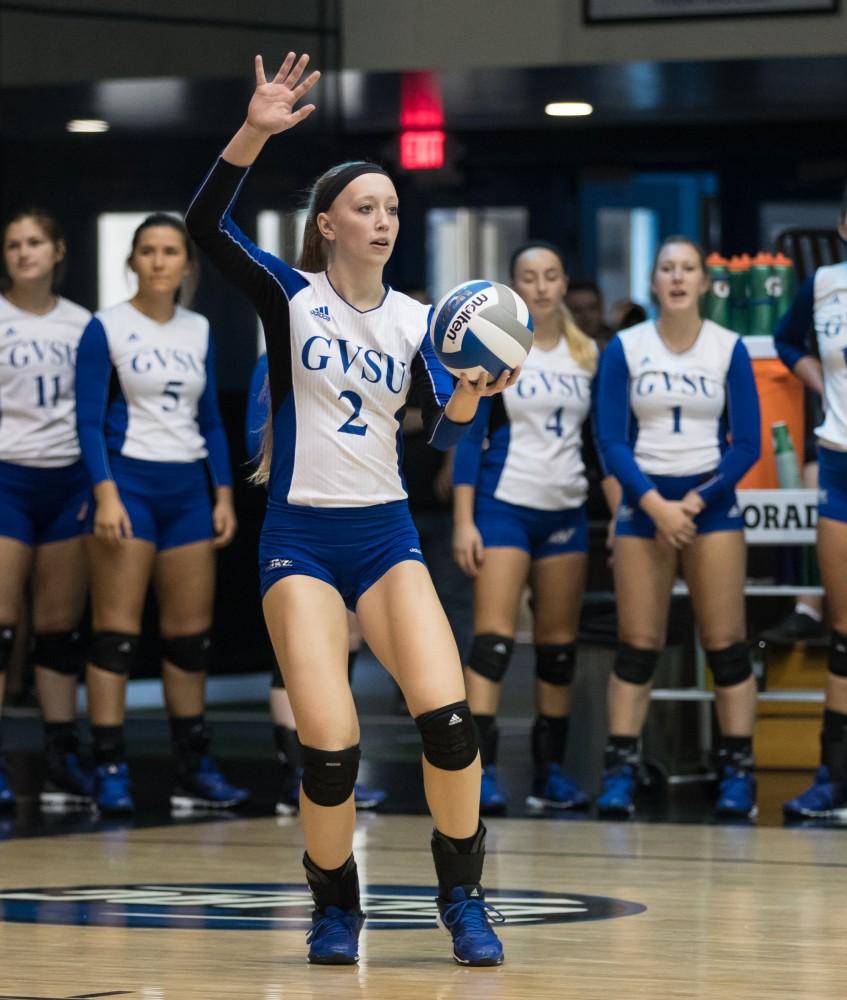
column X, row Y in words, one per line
column 449, row 736
column 277, row 682
column 730, row 666
column 7, row 641
column 329, row 776
column 60, row 651
column 490, row 655
column 556, row 664
column 838, row 654
column 116, row 652
column 192, row 653
column 635, row 666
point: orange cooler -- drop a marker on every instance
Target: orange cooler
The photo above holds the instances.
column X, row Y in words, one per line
column 780, row 398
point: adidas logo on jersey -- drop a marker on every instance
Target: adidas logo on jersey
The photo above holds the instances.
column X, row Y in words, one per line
column 322, row 312
column 823, row 496
column 455, row 720
column 279, row 563
column 134, row 336
column 734, row 511
column 561, row 537
column 10, row 332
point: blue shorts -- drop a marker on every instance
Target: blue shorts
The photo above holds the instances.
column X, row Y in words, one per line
column 722, row 514
column 832, row 484
column 168, row 502
column 541, row 533
column 39, row 506
column 349, row 548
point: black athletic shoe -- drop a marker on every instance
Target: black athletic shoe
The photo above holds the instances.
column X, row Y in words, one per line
column 797, row 627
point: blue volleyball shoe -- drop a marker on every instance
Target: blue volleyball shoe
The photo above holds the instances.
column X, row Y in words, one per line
column 69, row 785
column 7, row 796
column 492, row 798
column 334, row 936
column 736, row 793
column 204, row 786
column 824, row 799
column 553, row 789
column 368, row 798
column 617, row 795
column 468, row 919
column 112, row 790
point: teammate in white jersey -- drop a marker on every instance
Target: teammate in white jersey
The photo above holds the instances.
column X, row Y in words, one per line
column 43, row 489
column 342, row 351
column 678, row 425
column 821, row 306
column 149, row 428
column 519, row 517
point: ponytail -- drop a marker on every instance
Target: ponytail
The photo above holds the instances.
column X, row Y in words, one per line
column 582, row 347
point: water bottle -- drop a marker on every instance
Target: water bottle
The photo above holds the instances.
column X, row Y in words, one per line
column 739, row 293
column 761, row 314
column 716, row 307
column 787, row 469
column 784, row 280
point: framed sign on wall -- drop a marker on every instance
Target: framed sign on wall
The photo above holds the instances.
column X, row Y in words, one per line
column 610, row 11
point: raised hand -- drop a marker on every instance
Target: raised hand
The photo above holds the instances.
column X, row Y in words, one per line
column 271, row 108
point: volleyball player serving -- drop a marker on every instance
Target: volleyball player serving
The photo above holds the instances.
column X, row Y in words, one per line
column 342, row 351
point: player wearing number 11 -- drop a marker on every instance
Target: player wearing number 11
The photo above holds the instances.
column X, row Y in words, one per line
column 149, row 428
column 677, row 417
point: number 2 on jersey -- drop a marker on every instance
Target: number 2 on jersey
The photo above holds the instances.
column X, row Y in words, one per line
column 348, row 427
column 48, row 390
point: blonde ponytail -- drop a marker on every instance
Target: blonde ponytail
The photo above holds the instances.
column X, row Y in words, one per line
column 582, row 347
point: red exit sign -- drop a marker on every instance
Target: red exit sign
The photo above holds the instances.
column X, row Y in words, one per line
column 422, row 150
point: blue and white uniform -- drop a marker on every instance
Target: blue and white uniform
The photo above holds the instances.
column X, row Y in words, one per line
column 523, row 456
column 43, row 486
column 821, row 305
column 148, row 418
column 677, row 421
column 339, row 377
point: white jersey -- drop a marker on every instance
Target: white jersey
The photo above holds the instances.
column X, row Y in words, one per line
column 37, row 373
column 830, row 318
column 534, row 436
column 677, row 398
column 163, row 372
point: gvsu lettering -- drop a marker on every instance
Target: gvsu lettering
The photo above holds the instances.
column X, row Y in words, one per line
column 38, row 352
column 463, row 317
column 370, row 365
column 168, row 359
column 557, row 384
column 670, row 382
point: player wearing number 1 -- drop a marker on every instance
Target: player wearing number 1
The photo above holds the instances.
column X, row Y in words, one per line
column 677, row 416
column 43, row 488
column 149, row 429
column 519, row 516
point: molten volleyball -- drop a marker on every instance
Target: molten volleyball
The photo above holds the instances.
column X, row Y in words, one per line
column 481, row 326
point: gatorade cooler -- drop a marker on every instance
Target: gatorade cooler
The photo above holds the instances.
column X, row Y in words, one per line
column 780, row 399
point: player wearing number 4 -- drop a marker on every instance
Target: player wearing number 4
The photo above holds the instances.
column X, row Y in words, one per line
column 678, row 425
column 820, row 305
column 519, row 512
column 43, row 489
column 342, row 352
column 149, row 429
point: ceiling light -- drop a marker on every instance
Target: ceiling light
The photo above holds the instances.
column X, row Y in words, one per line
column 87, row 125
column 568, row 109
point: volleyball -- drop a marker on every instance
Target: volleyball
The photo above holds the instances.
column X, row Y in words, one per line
column 481, row 326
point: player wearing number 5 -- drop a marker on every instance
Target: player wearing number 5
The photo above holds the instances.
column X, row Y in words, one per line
column 149, row 429
column 43, row 487
column 519, row 514
column 677, row 416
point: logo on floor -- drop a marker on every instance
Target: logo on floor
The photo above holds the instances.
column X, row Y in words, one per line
column 275, row 906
